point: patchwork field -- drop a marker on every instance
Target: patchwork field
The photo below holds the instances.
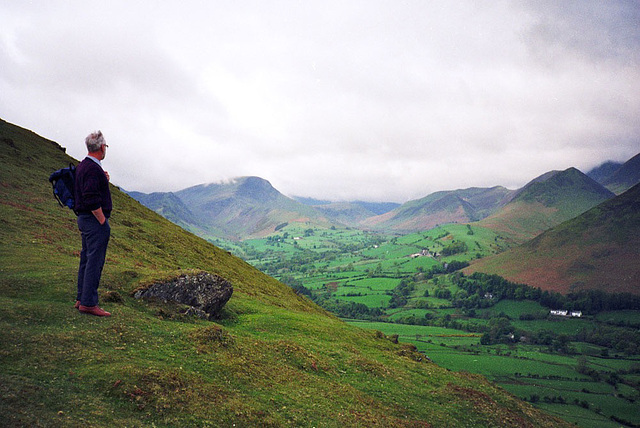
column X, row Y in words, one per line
column 549, row 381
column 409, row 286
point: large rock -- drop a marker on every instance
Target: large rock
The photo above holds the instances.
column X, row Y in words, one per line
column 204, row 292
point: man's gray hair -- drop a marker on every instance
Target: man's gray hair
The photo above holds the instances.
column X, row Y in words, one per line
column 94, row 141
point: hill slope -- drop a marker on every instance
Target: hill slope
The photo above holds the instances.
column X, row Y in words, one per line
column 274, row 359
column 599, row 249
column 545, row 202
column 457, row 206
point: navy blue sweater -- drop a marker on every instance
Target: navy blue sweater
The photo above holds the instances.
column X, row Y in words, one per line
column 92, row 188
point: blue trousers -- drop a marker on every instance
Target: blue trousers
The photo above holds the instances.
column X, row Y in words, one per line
column 95, row 238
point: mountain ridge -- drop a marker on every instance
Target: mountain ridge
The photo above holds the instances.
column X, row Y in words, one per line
column 247, row 207
column 626, row 176
column 598, row 249
column 544, row 202
column 456, row 206
column 243, row 207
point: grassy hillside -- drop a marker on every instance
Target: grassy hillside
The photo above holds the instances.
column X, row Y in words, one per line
column 274, row 359
column 545, row 202
column 597, row 250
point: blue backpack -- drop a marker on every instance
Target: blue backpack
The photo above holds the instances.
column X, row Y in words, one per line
column 63, row 181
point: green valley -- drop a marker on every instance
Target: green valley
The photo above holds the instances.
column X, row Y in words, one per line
column 584, row 369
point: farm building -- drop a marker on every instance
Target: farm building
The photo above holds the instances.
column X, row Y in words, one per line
column 563, row 313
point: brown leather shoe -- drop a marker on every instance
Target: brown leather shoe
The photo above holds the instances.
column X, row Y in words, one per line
column 94, row 310
column 77, row 305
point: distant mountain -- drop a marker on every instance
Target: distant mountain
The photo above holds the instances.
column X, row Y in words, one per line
column 599, row 249
column 245, row 207
column 545, row 202
column 251, row 207
column 377, row 208
column 625, row 177
column 618, row 177
column 349, row 213
column 167, row 204
column 456, row 206
column 603, row 172
column 242, row 208
column 310, row 201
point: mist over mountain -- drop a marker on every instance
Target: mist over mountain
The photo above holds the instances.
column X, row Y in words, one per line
column 349, row 213
column 376, row 208
column 311, row 201
column 604, row 171
column 626, row 176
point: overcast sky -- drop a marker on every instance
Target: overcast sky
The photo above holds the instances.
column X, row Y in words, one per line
column 341, row 100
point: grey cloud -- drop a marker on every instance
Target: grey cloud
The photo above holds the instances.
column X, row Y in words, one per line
column 591, row 29
column 355, row 100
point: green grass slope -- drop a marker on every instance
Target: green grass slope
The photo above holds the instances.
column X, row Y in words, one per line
column 545, row 202
column 273, row 359
column 598, row 250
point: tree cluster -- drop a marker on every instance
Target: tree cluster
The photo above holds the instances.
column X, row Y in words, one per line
column 350, row 309
column 400, row 294
column 455, row 247
column 587, row 301
column 626, row 340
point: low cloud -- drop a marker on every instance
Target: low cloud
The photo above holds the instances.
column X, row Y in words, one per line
column 363, row 100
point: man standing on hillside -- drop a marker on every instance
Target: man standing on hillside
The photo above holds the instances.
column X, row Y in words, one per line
column 93, row 205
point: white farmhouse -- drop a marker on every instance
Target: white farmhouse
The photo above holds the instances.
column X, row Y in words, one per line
column 563, row 313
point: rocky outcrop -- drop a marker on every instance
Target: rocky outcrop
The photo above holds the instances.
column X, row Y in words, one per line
column 205, row 293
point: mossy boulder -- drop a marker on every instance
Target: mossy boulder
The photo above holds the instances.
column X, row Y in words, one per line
column 204, row 292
